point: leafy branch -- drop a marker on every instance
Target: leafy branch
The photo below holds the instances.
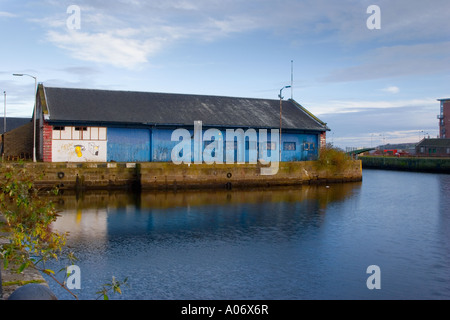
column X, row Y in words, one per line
column 32, row 241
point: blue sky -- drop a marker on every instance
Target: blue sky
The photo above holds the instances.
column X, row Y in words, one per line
column 370, row 86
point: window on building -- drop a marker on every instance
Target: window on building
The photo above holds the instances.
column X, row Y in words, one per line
column 271, row 146
column 79, row 133
column 306, row 146
column 448, row 150
column 289, row 146
column 309, row 146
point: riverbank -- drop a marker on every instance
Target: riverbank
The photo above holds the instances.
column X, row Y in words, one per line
column 435, row 165
column 168, row 176
column 10, row 280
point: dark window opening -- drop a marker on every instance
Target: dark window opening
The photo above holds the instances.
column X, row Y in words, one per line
column 289, row 146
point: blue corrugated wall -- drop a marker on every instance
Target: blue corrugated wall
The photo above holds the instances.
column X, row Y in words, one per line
column 144, row 145
column 295, row 146
column 129, row 145
column 299, row 147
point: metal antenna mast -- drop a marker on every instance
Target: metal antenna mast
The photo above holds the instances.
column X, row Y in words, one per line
column 292, row 79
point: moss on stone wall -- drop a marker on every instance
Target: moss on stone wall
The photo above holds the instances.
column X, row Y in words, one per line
column 437, row 165
column 163, row 175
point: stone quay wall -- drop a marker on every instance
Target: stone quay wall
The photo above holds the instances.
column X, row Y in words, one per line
column 160, row 176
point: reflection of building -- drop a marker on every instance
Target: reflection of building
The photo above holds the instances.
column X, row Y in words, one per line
column 433, row 148
column 444, row 118
column 90, row 224
column 79, row 125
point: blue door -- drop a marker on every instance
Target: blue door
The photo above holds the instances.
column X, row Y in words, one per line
column 128, row 145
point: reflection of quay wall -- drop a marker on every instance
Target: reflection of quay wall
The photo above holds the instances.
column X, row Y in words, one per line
column 170, row 176
column 155, row 199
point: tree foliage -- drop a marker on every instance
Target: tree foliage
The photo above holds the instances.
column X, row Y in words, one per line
column 333, row 159
column 32, row 241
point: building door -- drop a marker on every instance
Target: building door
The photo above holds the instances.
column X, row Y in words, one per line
column 129, row 145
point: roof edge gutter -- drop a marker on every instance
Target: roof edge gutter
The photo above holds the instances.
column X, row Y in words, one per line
column 312, row 116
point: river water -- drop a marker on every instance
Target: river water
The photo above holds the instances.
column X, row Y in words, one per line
column 308, row 242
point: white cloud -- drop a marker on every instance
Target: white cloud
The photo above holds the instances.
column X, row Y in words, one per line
column 4, row 14
column 341, row 106
column 343, row 22
column 392, row 90
column 106, row 47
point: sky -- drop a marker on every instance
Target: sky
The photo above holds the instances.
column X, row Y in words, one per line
column 373, row 74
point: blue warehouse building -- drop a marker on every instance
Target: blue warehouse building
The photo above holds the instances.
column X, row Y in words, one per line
column 89, row 125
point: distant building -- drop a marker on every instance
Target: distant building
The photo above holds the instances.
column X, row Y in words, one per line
column 17, row 139
column 433, row 148
column 84, row 125
column 444, row 118
column 12, row 123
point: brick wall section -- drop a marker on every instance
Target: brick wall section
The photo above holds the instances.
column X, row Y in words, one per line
column 323, row 140
column 47, row 147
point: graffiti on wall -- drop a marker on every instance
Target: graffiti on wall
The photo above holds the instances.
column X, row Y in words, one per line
column 92, row 148
column 79, row 151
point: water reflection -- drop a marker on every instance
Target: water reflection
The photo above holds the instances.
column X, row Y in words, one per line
column 309, row 242
column 102, row 214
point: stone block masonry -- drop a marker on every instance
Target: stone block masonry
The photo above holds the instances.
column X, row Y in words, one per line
column 433, row 165
column 162, row 176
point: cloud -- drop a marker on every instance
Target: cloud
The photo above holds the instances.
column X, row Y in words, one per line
column 108, row 47
column 128, row 40
column 395, row 122
column 396, row 61
column 348, row 106
column 392, row 90
column 149, row 26
column 4, row 14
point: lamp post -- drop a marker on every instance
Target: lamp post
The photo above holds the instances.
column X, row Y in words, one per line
column 281, row 110
column 4, row 115
column 34, row 112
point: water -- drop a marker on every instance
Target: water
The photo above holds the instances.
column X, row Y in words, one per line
column 278, row 244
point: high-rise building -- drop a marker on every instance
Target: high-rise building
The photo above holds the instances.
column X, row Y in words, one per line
column 444, row 118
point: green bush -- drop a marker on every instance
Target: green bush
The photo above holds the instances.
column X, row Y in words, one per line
column 333, row 159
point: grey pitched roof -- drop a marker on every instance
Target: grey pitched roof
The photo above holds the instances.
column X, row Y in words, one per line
column 438, row 143
column 106, row 106
column 13, row 123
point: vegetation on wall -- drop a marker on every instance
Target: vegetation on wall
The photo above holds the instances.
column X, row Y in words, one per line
column 333, row 159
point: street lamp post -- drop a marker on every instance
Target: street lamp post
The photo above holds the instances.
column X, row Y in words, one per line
column 34, row 112
column 4, row 115
column 281, row 110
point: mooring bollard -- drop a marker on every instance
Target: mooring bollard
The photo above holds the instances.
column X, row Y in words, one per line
column 33, row 291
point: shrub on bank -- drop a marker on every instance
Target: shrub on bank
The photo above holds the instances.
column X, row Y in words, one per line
column 333, row 159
